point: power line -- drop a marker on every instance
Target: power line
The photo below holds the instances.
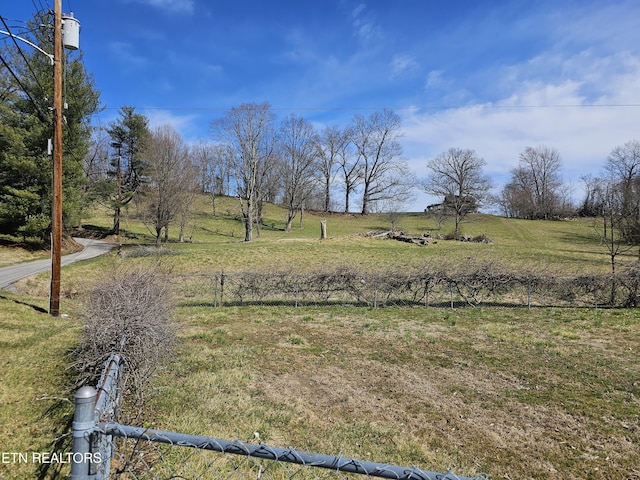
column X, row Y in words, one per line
column 42, row 8
column 41, row 114
column 15, row 42
column 410, row 107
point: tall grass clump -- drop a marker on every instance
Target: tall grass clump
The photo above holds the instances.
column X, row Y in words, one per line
column 127, row 311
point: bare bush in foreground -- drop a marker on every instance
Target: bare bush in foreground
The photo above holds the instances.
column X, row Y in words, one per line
column 128, row 312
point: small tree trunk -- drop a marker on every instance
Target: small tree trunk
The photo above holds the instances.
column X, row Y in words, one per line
column 323, row 229
column 248, row 229
column 116, row 220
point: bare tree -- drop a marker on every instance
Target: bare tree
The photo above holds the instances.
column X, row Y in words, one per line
column 385, row 176
column 329, row 145
column 593, row 203
column 248, row 130
column 612, row 228
column 96, row 161
column 189, row 189
column 623, row 169
column 350, row 167
column 456, row 175
column 213, row 162
column 171, row 177
column 297, row 145
column 534, row 189
column 269, row 182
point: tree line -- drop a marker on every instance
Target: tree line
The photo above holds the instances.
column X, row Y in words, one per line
column 259, row 158
column 252, row 156
column 26, row 125
column 535, row 191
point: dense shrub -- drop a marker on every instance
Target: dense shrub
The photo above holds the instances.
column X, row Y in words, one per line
column 127, row 311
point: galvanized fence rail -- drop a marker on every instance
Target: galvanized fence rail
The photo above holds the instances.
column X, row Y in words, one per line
column 103, row 448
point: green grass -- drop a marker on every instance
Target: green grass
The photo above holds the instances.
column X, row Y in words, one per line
column 515, row 393
column 509, row 392
column 34, row 394
column 562, row 247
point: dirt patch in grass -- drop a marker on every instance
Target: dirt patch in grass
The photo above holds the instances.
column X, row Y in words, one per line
column 512, row 393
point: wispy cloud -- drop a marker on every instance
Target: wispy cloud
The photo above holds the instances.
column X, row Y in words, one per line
column 183, row 123
column 364, row 24
column 556, row 114
column 177, row 6
column 127, row 55
column 435, row 79
column 403, row 64
column 299, row 48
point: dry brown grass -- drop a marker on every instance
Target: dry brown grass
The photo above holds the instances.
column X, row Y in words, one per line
column 512, row 393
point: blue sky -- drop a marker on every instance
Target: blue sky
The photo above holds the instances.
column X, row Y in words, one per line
column 492, row 76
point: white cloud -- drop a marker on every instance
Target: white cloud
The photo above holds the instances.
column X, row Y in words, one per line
column 402, row 64
column 127, row 55
column 184, row 124
column 365, row 27
column 584, row 128
column 178, row 6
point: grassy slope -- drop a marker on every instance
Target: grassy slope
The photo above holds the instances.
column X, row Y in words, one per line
column 33, row 385
column 565, row 247
column 514, row 393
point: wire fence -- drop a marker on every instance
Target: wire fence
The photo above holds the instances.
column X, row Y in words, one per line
column 103, row 448
column 347, row 287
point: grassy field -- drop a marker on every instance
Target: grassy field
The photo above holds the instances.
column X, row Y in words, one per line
column 34, row 384
column 514, row 393
column 562, row 247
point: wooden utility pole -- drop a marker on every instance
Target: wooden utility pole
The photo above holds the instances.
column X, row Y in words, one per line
column 56, row 211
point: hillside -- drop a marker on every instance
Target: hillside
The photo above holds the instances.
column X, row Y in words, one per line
column 564, row 246
column 512, row 392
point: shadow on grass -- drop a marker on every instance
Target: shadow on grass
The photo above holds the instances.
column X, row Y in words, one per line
column 93, row 232
column 20, row 302
column 31, row 245
column 63, row 443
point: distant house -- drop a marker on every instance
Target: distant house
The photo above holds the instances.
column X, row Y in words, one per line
column 451, row 203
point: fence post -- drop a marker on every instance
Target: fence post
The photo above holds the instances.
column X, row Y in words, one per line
column 84, row 422
column 215, row 290
column 426, row 293
column 375, row 293
column 451, row 293
column 222, row 279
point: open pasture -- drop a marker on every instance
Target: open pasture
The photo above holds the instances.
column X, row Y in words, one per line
column 511, row 392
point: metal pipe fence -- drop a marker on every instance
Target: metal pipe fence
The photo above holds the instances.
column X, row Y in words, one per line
column 476, row 288
column 103, row 448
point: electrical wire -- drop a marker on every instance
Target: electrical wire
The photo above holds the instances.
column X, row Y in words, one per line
column 41, row 114
column 410, row 107
column 15, row 42
column 42, row 7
